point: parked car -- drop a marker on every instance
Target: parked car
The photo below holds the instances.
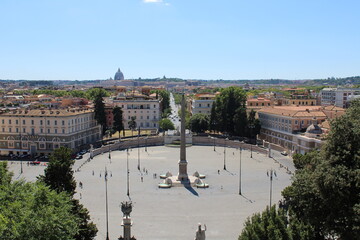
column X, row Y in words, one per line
column 79, row 157
column 284, row 153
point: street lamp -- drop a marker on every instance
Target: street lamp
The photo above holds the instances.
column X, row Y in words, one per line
column 270, row 174
column 214, row 143
column 146, row 138
column 139, row 149
column 225, row 153
column 109, row 154
column 127, row 169
column 106, row 204
column 251, row 126
column 240, row 173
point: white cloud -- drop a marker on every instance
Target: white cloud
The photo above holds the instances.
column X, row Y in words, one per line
column 152, row 1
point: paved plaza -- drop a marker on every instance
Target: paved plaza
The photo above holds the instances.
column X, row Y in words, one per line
column 163, row 214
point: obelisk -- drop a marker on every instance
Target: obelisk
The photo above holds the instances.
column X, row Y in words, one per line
column 182, row 176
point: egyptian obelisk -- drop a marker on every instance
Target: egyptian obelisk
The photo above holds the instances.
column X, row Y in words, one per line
column 182, row 176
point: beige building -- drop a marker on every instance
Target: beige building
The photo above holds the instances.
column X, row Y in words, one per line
column 39, row 132
column 202, row 103
column 295, row 128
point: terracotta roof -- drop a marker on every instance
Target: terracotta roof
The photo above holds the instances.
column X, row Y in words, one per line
column 295, row 111
column 47, row 112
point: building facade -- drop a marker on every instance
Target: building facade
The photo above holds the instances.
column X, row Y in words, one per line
column 287, row 126
column 338, row 97
column 202, row 104
column 39, row 132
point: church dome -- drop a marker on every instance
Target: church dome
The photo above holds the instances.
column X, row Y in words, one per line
column 119, row 75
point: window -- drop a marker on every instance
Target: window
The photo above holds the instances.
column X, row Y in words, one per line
column 199, row 104
column 41, row 122
column 154, row 106
column 296, row 122
column 17, row 130
column 24, row 130
column 24, row 122
column 147, row 117
column 3, row 121
column 17, row 121
column 3, row 129
column 9, row 129
column 55, row 130
column 32, row 131
column 48, row 122
column 48, row 130
column 63, row 122
column 63, row 131
column 9, row 121
column 55, row 122
column 41, row 130
column 32, row 122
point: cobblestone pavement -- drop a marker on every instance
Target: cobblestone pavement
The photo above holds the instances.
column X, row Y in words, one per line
column 160, row 214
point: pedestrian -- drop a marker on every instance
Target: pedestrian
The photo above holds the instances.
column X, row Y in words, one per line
column 93, row 172
column 80, row 196
column 218, row 171
column 142, row 179
column 146, row 171
column 100, row 174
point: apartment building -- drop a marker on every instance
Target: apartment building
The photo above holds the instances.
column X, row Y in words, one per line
column 202, row 103
column 39, row 132
column 338, row 97
column 146, row 111
column 295, row 128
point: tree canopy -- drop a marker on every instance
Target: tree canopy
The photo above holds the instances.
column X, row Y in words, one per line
column 166, row 124
column 118, row 119
column 326, row 188
column 199, row 123
column 33, row 211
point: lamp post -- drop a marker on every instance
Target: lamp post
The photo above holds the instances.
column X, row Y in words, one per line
column 251, row 126
column 127, row 169
column 240, row 173
column 225, row 153
column 138, row 138
column 214, row 143
column 109, row 154
column 106, row 204
column 146, row 138
column 270, row 174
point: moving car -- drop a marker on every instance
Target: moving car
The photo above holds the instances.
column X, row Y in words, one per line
column 284, row 153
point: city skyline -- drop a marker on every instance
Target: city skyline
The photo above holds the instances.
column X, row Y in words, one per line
column 186, row 39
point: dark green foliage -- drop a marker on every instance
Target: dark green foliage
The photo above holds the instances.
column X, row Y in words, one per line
column 273, row 224
column 199, row 123
column 59, row 177
column 166, row 124
column 99, row 109
column 33, row 211
column 132, row 123
column 229, row 112
column 326, row 188
column 59, row 174
column 165, row 99
column 118, row 119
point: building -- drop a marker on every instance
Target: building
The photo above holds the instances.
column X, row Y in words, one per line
column 39, row 132
column 202, row 103
column 338, row 97
column 288, row 126
column 119, row 75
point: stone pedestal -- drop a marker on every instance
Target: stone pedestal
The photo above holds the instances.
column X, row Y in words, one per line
column 182, row 176
column 127, row 223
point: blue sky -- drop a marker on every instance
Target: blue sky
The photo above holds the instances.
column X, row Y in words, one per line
column 190, row 39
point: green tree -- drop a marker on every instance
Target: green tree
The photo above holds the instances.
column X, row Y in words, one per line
column 94, row 93
column 132, row 124
column 166, row 124
column 33, row 211
column 118, row 120
column 99, row 109
column 165, row 99
column 274, row 224
column 253, row 124
column 59, row 174
column 59, row 177
column 326, row 188
column 199, row 123
column 229, row 108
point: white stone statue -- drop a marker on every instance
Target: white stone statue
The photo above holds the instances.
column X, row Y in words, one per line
column 200, row 234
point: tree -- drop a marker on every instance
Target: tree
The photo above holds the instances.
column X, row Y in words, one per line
column 165, row 99
column 100, row 115
column 59, row 174
column 274, row 224
column 59, row 177
column 132, row 124
column 199, row 123
column 118, row 120
column 33, row 211
column 166, row 124
column 326, row 188
column 228, row 109
column 94, row 93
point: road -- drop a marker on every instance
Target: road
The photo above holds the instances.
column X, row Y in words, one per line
column 174, row 112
